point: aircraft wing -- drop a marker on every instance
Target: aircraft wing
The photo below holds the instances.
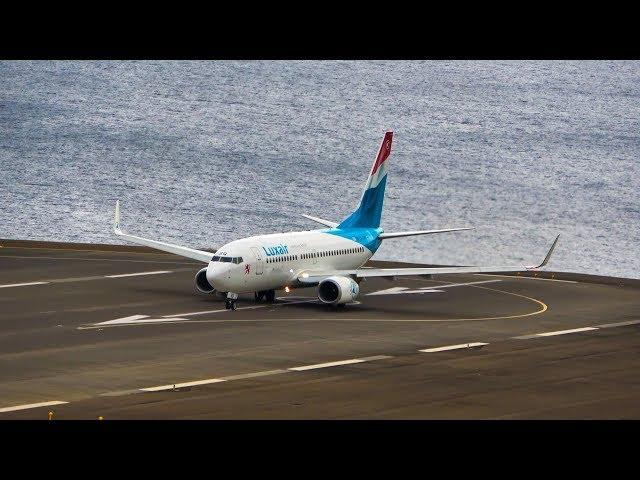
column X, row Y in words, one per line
column 315, row 277
column 165, row 247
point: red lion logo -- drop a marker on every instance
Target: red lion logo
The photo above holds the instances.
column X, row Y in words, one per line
column 247, row 269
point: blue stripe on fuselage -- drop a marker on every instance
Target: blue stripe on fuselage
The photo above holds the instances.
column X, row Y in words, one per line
column 367, row 237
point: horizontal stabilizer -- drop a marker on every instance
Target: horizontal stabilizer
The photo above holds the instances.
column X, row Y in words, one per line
column 383, row 236
column 321, row 221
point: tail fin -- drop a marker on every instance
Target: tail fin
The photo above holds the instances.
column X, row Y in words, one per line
column 369, row 211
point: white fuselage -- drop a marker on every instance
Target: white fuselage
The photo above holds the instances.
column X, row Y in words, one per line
column 269, row 262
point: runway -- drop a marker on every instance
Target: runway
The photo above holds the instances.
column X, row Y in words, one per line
column 121, row 333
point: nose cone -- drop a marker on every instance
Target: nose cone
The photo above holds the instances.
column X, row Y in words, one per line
column 217, row 274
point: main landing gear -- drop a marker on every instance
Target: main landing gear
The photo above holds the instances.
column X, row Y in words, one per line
column 231, row 301
column 269, row 295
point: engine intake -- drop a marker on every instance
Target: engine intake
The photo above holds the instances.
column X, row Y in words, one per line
column 338, row 290
column 202, row 284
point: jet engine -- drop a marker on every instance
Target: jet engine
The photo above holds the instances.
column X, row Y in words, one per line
column 337, row 290
column 202, row 284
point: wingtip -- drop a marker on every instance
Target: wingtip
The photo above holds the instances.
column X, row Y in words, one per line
column 548, row 257
column 116, row 219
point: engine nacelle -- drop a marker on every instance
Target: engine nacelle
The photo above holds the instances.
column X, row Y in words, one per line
column 338, row 290
column 202, row 284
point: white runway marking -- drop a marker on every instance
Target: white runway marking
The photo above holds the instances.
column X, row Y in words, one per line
column 100, row 259
column 433, row 289
column 564, row 332
column 619, row 324
column 31, row 405
column 157, row 272
column 135, row 319
column 22, row 284
column 185, row 384
column 244, row 376
column 404, row 290
column 453, row 347
column 340, row 362
column 528, row 278
column 252, row 307
column 558, row 332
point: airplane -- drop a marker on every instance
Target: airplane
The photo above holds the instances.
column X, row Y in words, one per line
column 330, row 258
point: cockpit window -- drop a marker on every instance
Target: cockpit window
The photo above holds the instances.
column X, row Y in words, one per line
column 237, row 260
column 215, row 258
column 226, row 259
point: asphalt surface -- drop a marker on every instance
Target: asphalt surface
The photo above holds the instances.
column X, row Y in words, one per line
column 300, row 359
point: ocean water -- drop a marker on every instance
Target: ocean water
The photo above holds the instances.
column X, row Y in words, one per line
column 201, row 153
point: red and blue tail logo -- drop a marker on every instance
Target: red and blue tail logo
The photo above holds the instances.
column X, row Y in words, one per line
column 368, row 213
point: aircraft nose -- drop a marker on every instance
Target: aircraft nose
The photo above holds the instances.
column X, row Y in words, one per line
column 217, row 273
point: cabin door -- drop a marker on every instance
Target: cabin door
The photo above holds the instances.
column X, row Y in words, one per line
column 259, row 260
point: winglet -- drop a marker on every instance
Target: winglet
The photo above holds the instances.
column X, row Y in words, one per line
column 116, row 219
column 546, row 259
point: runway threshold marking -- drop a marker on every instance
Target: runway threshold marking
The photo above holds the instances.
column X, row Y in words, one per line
column 22, row 284
column 31, row 405
column 122, row 275
column 453, row 347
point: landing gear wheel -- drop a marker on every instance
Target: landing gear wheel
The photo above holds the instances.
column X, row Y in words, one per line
column 271, row 296
column 233, row 305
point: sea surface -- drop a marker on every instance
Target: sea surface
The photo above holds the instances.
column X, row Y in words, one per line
column 201, row 153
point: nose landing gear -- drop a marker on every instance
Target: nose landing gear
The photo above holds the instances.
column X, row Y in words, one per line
column 231, row 301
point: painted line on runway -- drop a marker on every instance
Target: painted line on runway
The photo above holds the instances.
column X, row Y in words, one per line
column 37, row 257
column 252, row 307
column 338, row 363
column 466, row 284
column 618, row 324
column 94, row 277
column 10, row 285
column 434, row 289
column 244, row 376
column 454, row 347
column 122, row 275
column 529, row 278
column 557, row 332
column 564, row 332
column 175, row 386
column 32, row 405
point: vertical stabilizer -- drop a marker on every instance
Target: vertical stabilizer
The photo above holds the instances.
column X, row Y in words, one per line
column 368, row 213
